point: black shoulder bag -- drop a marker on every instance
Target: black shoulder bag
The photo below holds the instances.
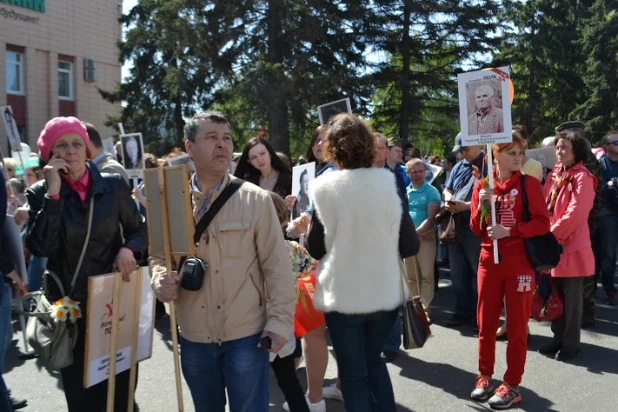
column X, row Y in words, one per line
column 195, row 268
column 544, row 251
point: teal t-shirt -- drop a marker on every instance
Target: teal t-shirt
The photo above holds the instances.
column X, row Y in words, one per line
column 418, row 199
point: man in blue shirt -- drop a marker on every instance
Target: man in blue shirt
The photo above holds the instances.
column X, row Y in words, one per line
column 464, row 255
column 394, row 161
column 608, row 216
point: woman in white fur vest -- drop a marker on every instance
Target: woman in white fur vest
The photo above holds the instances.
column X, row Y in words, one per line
column 359, row 233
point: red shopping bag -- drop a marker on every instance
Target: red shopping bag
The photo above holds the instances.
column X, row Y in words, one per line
column 307, row 317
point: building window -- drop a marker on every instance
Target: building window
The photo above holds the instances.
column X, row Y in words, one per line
column 14, row 73
column 65, row 80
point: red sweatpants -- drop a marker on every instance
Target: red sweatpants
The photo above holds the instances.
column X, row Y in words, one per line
column 513, row 279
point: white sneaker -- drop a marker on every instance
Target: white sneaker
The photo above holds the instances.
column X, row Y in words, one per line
column 331, row 392
column 313, row 407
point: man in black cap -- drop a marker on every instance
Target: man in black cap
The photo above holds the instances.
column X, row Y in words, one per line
column 464, row 255
column 590, row 285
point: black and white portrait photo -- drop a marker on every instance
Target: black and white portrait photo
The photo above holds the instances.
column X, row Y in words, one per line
column 132, row 151
column 484, row 108
column 301, row 177
column 328, row 110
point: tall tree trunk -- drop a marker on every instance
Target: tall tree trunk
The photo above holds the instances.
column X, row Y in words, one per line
column 404, row 83
column 532, row 87
column 276, row 94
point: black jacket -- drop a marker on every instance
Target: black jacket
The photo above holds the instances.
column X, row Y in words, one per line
column 57, row 229
column 283, row 187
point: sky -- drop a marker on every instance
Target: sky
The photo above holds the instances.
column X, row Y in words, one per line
column 126, row 6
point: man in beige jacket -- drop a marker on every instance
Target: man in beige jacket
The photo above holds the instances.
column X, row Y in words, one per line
column 222, row 322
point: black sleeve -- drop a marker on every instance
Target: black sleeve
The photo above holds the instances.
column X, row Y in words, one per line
column 409, row 243
column 6, row 265
column 44, row 222
column 133, row 226
column 315, row 239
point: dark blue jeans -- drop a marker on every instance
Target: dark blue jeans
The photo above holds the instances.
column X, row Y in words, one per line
column 238, row 366
column 393, row 340
column 464, row 262
column 358, row 341
column 608, row 238
column 5, row 321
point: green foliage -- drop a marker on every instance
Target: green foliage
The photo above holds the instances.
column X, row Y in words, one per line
column 270, row 63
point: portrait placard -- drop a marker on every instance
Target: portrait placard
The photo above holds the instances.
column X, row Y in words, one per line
column 132, row 154
column 546, row 156
column 109, row 147
column 328, row 110
column 183, row 159
column 10, row 126
column 302, row 175
column 485, row 107
column 99, row 320
column 179, row 209
column 431, row 172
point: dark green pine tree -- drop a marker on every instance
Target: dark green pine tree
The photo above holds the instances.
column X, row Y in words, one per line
column 295, row 55
column 541, row 43
column 425, row 42
column 600, row 44
column 180, row 50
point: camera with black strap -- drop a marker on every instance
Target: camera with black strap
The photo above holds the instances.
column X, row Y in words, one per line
column 194, row 268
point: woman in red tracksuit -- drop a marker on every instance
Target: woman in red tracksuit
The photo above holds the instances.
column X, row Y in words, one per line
column 513, row 278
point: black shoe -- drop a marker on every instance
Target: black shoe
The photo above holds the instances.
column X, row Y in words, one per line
column 550, row 349
column 389, row 356
column 587, row 323
column 17, row 403
column 458, row 320
column 566, row 353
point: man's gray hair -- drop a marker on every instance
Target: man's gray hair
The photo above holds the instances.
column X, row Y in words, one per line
column 192, row 126
column 485, row 87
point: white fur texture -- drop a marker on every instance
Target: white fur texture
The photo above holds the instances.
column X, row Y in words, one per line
column 361, row 213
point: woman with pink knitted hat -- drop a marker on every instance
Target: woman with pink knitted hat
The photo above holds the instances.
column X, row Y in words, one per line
column 61, row 206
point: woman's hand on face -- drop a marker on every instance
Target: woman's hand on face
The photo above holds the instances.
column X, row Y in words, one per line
column 498, row 232
column 289, row 201
column 52, row 174
column 125, row 263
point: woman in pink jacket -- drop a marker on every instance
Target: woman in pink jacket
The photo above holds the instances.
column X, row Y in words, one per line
column 569, row 191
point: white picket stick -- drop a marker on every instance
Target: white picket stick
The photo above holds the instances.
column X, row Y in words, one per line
column 492, row 204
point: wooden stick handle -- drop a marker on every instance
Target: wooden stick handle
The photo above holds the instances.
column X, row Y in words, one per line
column 134, row 345
column 168, row 261
column 176, row 355
column 111, row 378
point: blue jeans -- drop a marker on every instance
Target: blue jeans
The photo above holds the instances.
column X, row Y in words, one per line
column 464, row 262
column 365, row 385
column 238, row 366
column 608, row 238
column 6, row 328
column 393, row 340
column 5, row 320
column 36, row 269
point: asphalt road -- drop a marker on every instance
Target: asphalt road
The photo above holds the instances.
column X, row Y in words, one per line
column 438, row 377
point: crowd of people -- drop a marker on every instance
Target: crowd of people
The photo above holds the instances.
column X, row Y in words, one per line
column 284, row 270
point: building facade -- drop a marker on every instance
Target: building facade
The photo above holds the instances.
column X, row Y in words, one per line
column 54, row 56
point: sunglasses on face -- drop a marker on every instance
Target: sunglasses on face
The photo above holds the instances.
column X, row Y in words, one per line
column 8, row 169
column 615, row 143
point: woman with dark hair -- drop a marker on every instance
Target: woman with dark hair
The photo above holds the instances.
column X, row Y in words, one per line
column 260, row 165
column 570, row 191
column 302, row 199
column 359, row 294
column 315, row 152
column 72, row 194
